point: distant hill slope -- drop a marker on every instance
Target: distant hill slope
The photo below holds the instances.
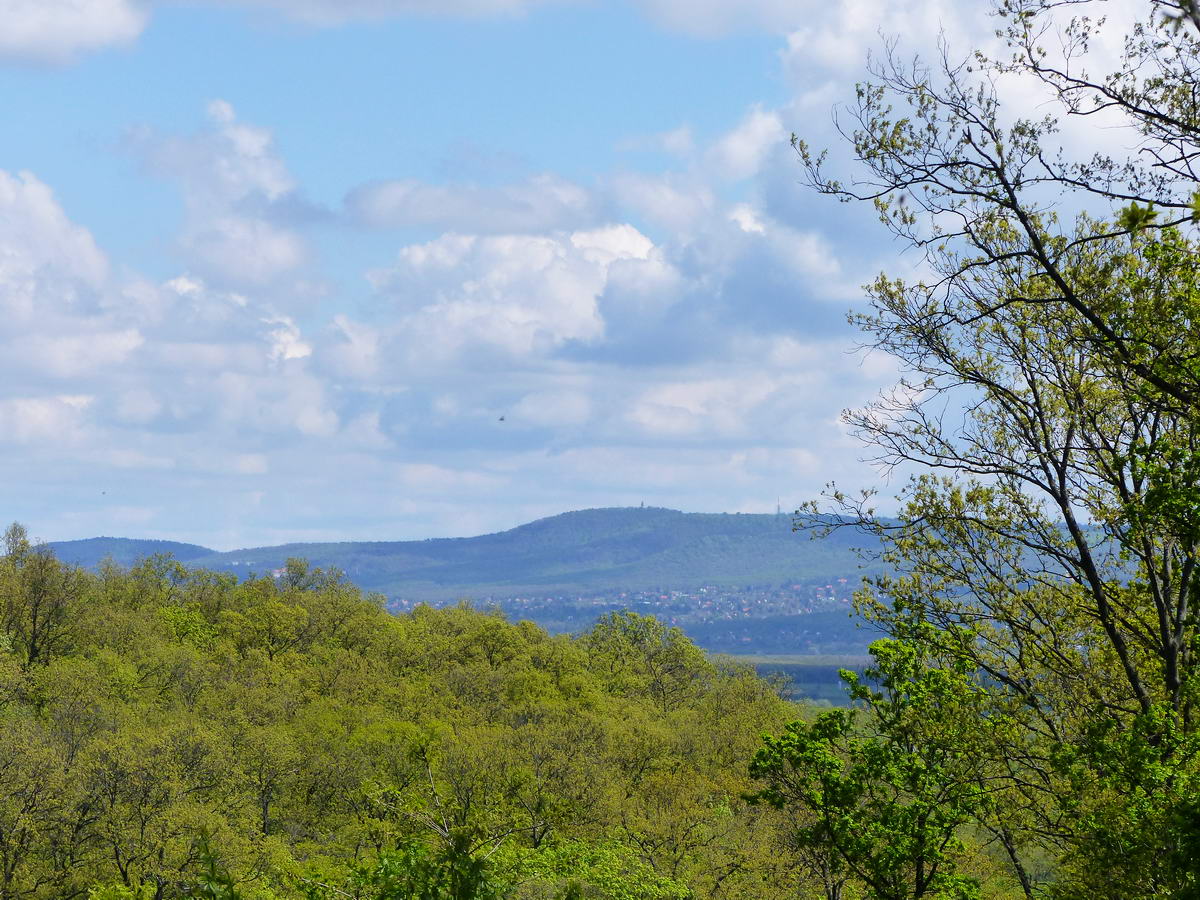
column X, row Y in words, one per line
column 124, row 551
column 588, row 551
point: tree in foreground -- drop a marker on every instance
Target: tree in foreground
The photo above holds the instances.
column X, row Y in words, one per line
column 1046, row 551
column 893, row 795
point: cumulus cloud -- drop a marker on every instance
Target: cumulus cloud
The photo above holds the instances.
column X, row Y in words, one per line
column 84, row 351
column 836, row 37
column 639, row 290
column 238, row 196
column 44, row 258
column 740, row 152
column 510, row 294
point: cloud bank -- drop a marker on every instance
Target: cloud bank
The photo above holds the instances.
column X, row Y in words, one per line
column 539, row 351
column 672, row 334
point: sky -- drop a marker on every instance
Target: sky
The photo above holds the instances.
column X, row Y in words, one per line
column 288, row 270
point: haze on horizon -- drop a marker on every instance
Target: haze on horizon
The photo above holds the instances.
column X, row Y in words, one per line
column 294, row 270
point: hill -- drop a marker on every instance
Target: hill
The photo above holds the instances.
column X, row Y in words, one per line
column 123, row 551
column 584, row 552
column 735, row 583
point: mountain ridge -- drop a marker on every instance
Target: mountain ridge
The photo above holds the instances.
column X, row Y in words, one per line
column 576, row 552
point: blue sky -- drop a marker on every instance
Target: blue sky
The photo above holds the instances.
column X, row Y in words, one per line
column 280, row 270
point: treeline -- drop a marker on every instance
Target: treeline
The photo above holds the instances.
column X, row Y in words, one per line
column 167, row 732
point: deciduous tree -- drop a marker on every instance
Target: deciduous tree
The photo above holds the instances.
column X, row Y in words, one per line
column 1046, row 549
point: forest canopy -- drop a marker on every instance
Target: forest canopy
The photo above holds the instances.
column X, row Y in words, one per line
column 167, row 732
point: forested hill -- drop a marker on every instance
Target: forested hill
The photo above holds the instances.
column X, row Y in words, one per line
column 123, row 551
column 595, row 550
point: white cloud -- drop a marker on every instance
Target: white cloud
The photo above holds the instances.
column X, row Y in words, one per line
column 720, row 406
column 747, row 219
column 641, row 288
column 58, row 417
column 286, row 342
column 740, row 153
column 352, row 351
column 67, row 356
column 541, row 203
column 234, row 161
column 674, row 201
column 45, row 260
column 282, row 405
column 364, row 432
column 606, row 245
column 512, row 294
column 57, row 31
column 806, row 254
column 226, row 463
column 243, row 249
column 836, row 37
column 60, row 31
column 234, row 186
column 88, row 357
